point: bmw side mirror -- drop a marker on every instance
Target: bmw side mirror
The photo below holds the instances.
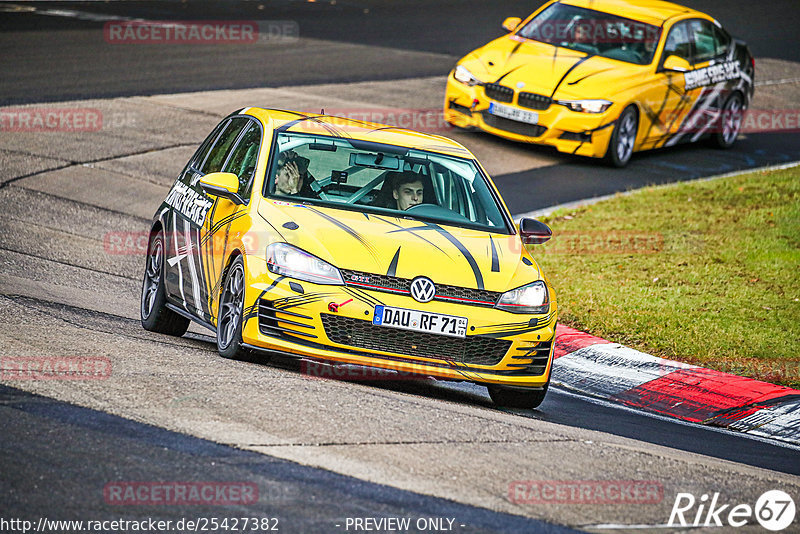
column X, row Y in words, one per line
column 511, row 23
column 533, row 232
column 676, row 64
column 223, row 185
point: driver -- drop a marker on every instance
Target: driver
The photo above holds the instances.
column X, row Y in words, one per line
column 293, row 177
column 407, row 189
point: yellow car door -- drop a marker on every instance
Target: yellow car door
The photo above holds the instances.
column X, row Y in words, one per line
column 667, row 102
column 227, row 220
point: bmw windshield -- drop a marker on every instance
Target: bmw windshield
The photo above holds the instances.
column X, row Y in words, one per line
column 595, row 33
column 380, row 178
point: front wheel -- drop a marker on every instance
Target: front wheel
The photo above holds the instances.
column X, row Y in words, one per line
column 154, row 313
column 730, row 122
column 623, row 138
column 512, row 397
column 231, row 315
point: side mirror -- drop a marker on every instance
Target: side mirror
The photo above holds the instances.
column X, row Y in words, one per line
column 511, row 23
column 533, row 232
column 223, row 185
column 676, row 64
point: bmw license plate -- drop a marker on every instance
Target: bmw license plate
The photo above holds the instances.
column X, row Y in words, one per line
column 515, row 114
column 419, row 321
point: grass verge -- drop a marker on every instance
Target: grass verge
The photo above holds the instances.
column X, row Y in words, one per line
column 706, row 273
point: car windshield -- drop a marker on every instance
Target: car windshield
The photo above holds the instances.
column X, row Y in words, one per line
column 594, row 33
column 379, row 178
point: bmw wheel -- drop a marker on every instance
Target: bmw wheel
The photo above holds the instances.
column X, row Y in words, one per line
column 730, row 122
column 231, row 314
column 623, row 138
column 154, row 313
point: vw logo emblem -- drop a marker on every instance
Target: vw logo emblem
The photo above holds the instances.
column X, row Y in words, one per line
column 422, row 289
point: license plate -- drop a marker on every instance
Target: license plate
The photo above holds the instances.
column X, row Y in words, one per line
column 516, row 114
column 419, row 321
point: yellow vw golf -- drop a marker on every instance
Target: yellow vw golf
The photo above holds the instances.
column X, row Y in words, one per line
column 605, row 78
column 352, row 242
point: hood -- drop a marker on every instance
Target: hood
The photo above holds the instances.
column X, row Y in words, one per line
column 404, row 248
column 541, row 68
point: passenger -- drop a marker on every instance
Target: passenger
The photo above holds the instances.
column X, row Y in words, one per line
column 293, row 177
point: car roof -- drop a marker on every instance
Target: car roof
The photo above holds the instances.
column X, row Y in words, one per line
column 647, row 11
column 329, row 125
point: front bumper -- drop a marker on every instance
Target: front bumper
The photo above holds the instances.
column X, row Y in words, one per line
column 584, row 134
column 292, row 316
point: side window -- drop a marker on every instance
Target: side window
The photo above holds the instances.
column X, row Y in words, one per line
column 202, row 152
column 242, row 161
column 705, row 44
column 678, row 43
column 723, row 41
column 216, row 156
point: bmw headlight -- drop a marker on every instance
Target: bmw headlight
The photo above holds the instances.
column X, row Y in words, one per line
column 587, row 106
column 531, row 298
column 286, row 260
column 464, row 76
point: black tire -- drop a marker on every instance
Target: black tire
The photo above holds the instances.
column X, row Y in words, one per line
column 155, row 315
column 730, row 122
column 231, row 315
column 512, row 397
column 623, row 138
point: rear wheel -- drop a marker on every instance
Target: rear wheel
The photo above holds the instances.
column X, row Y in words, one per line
column 730, row 122
column 511, row 397
column 231, row 315
column 623, row 138
column 154, row 313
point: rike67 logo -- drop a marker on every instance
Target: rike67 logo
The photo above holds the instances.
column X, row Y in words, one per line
column 774, row 510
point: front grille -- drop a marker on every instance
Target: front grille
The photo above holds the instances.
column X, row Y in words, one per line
column 517, row 127
column 498, row 92
column 444, row 293
column 534, row 101
column 475, row 350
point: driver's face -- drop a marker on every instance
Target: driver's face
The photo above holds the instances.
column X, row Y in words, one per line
column 582, row 33
column 408, row 195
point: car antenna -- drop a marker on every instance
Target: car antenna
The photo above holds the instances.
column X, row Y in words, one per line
column 322, row 111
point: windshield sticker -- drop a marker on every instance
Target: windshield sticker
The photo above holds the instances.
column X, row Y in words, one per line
column 189, row 203
column 712, row 74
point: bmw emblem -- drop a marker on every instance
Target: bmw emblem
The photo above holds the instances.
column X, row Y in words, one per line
column 520, row 85
column 422, row 289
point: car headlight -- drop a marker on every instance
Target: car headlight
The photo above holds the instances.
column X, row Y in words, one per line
column 464, row 76
column 586, row 106
column 293, row 262
column 531, row 298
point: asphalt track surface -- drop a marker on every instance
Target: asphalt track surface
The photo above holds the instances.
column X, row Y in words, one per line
column 62, row 57
column 56, row 51
column 56, row 457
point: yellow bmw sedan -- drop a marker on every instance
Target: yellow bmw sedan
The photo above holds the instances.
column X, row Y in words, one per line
column 352, row 243
column 605, row 78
